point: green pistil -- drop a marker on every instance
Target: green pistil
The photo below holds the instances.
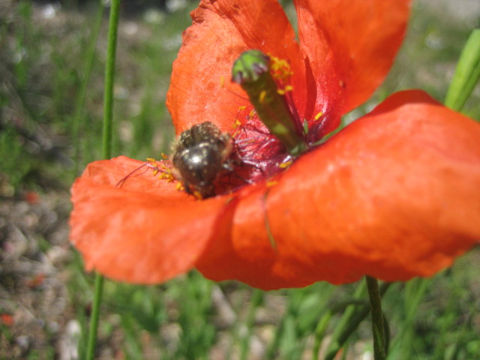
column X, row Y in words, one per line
column 251, row 71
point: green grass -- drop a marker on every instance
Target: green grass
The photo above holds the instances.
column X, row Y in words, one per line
column 53, row 98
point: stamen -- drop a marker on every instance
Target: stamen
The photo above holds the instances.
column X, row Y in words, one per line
column 285, row 164
column 285, row 90
column 271, row 183
column 237, row 123
column 197, row 195
column 280, row 68
column 160, row 169
column 263, row 95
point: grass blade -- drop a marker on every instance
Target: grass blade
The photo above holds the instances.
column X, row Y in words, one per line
column 466, row 74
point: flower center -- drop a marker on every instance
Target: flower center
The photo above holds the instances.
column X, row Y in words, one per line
column 253, row 71
column 266, row 140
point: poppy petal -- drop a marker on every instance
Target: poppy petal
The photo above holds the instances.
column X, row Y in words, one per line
column 356, row 39
column 242, row 249
column 139, row 230
column 394, row 195
column 200, row 87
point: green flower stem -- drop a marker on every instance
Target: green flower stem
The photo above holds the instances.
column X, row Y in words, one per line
column 351, row 318
column 466, row 74
column 378, row 326
column 251, row 71
column 107, row 153
column 109, row 79
column 97, row 300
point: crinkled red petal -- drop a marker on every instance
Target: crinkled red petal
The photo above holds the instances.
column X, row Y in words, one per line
column 394, row 195
column 141, row 229
column 351, row 44
column 200, row 87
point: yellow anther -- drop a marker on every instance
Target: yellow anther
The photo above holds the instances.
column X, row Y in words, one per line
column 252, row 114
column 222, row 81
column 285, row 164
column 318, row 116
column 151, row 160
column 236, row 124
column 280, row 68
column 271, row 183
column 155, row 171
column 179, row 186
column 197, row 195
column 285, row 90
column 263, row 95
column 164, row 156
column 241, row 108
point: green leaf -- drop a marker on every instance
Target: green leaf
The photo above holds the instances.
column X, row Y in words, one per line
column 466, row 74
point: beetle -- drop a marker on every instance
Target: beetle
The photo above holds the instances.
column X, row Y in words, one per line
column 199, row 156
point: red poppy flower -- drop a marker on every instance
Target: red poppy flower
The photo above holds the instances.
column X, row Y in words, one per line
column 394, row 195
column 7, row 319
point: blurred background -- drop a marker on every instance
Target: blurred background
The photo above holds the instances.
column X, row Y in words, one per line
column 52, row 58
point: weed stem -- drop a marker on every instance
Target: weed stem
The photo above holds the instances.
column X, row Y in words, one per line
column 107, row 153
